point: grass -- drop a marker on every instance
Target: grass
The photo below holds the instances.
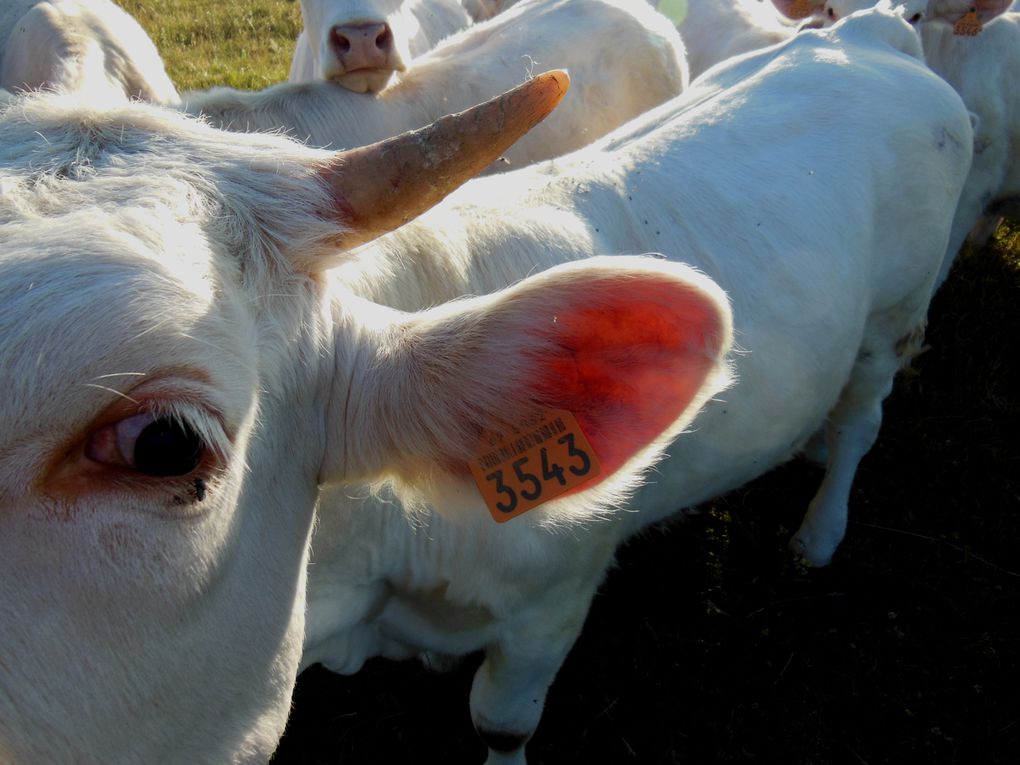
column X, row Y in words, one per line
column 243, row 43
column 708, row 643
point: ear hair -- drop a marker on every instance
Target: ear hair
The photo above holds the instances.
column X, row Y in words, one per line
column 633, row 347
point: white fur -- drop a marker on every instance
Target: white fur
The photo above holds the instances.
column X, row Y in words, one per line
column 415, row 25
column 480, row 10
column 815, row 182
column 715, row 30
column 985, row 71
column 91, row 46
column 828, row 269
column 151, row 266
column 623, row 57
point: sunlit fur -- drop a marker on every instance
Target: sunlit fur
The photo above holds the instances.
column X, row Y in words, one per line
column 985, row 71
column 782, row 177
column 480, row 10
column 150, row 264
column 623, row 59
column 90, row 46
column 415, row 25
column 815, row 182
column 715, row 30
column 140, row 247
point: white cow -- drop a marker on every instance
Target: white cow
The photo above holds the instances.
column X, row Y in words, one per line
column 480, row 10
column 815, row 182
column 361, row 44
column 87, row 45
column 985, row 70
column 714, row 30
column 624, row 58
column 180, row 378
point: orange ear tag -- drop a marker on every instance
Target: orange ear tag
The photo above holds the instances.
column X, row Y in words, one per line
column 518, row 471
column 801, row 9
column 968, row 26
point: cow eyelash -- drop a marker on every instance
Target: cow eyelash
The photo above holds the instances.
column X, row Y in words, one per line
column 163, row 440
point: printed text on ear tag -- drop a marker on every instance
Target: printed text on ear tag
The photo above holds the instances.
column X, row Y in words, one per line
column 968, row 26
column 518, row 471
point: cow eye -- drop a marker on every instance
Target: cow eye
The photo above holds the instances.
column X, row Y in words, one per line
column 149, row 444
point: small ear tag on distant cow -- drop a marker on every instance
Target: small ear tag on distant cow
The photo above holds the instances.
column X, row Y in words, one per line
column 968, row 26
column 518, row 471
column 800, row 9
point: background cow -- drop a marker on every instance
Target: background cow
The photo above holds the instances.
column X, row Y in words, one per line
column 362, row 43
column 715, row 30
column 624, row 58
column 979, row 65
column 86, row 45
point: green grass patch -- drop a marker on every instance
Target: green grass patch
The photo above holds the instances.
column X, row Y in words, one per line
column 244, row 43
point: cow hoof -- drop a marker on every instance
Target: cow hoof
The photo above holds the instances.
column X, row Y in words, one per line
column 811, row 552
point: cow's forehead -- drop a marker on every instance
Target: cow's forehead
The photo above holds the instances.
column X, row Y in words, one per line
column 355, row 10
column 92, row 177
column 90, row 311
column 260, row 199
column 61, row 136
column 45, row 132
column 125, row 231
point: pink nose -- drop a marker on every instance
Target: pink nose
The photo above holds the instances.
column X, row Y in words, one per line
column 362, row 46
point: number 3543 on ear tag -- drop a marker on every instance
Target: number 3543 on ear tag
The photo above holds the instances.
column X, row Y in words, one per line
column 518, row 471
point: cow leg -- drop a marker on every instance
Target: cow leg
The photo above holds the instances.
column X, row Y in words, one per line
column 510, row 686
column 851, row 430
column 984, row 230
column 816, row 448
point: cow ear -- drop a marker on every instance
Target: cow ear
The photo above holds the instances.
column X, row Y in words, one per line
column 631, row 347
column 798, row 9
column 986, row 10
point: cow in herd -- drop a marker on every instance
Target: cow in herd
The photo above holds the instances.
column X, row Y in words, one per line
column 624, row 58
column 245, row 384
column 78, row 45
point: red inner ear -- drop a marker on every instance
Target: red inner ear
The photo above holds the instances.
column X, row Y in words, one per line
column 630, row 364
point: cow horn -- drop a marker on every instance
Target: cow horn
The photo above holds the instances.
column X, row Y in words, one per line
column 383, row 185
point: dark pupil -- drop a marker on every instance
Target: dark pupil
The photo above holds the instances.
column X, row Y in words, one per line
column 167, row 448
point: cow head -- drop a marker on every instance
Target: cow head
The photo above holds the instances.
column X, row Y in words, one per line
column 180, row 376
column 361, row 44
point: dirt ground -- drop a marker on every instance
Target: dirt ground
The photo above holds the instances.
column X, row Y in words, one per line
column 709, row 643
